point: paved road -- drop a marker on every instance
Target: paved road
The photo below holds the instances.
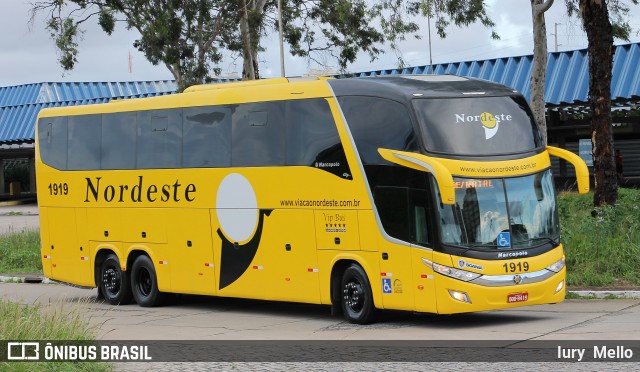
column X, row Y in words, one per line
column 204, row 318
column 18, row 218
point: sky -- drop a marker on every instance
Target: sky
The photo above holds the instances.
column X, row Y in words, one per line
column 28, row 55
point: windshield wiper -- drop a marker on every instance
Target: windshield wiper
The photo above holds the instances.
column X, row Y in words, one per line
column 482, row 245
column 470, row 246
column 545, row 239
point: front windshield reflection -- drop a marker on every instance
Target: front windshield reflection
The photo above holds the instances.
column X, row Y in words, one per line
column 517, row 212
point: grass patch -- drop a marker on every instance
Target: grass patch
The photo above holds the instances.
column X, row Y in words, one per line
column 575, row 296
column 603, row 250
column 20, row 322
column 20, row 253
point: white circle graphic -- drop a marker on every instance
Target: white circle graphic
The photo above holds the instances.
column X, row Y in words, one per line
column 237, row 207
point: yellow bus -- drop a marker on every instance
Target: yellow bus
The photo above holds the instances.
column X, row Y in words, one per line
column 421, row 193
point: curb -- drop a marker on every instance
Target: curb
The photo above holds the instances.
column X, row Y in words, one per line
column 603, row 294
column 12, row 203
column 607, row 294
column 37, row 279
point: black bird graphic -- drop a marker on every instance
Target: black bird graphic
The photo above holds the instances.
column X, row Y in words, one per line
column 235, row 258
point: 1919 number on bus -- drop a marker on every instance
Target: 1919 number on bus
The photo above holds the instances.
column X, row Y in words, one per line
column 513, row 267
column 58, row 188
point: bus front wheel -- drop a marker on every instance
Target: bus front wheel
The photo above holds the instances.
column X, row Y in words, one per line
column 144, row 282
column 114, row 283
column 357, row 300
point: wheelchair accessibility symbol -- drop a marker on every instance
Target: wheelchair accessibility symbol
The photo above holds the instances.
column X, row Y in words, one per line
column 386, row 285
column 504, row 240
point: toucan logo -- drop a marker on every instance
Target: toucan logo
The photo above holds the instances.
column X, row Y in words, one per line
column 241, row 224
column 489, row 121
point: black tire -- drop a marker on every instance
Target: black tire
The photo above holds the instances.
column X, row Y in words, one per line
column 356, row 297
column 144, row 283
column 114, row 283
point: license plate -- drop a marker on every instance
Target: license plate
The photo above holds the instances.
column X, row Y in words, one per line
column 518, row 297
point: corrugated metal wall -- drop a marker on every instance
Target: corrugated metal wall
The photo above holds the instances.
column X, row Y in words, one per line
column 20, row 105
column 567, row 73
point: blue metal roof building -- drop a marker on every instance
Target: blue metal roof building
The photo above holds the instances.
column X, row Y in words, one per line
column 20, row 105
column 567, row 81
column 567, row 85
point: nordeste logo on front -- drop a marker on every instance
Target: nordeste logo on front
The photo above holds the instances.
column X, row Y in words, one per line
column 489, row 121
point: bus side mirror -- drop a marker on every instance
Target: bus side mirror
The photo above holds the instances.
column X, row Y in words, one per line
column 582, row 172
column 425, row 164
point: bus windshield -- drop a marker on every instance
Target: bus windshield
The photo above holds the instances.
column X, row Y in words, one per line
column 501, row 213
column 477, row 125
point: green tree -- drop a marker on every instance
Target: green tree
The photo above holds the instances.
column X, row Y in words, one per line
column 187, row 36
column 341, row 29
column 602, row 21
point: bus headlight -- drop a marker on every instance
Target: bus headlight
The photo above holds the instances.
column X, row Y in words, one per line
column 556, row 266
column 460, row 296
column 450, row 271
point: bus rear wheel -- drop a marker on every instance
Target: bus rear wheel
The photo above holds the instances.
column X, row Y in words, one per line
column 114, row 283
column 144, row 282
column 357, row 300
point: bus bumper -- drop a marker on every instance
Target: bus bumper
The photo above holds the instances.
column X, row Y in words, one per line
column 456, row 296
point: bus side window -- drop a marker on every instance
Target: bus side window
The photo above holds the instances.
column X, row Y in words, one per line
column 159, row 139
column 119, row 140
column 313, row 139
column 392, row 204
column 378, row 123
column 206, row 137
column 404, row 213
column 419, row 204
column 257, row 135
column 84, row 142
column 52, row 137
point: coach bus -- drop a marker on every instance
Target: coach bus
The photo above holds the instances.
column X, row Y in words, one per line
column 422, row 193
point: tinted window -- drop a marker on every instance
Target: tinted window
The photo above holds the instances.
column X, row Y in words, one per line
column 206, row 138
column 392, row 204
column 159, row 139
column 119, row 140
column 477, row 125
column 52, row 139
column 84, row 142
column 258, row 134
column 378, row 123
column 404, row 213
column 312, row 137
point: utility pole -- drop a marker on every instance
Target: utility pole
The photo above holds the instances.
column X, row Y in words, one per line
column 281, row 43
column 555, row 36
column 430, row 55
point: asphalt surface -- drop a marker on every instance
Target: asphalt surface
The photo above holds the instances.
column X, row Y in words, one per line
column 196, row 318
column 16, row 218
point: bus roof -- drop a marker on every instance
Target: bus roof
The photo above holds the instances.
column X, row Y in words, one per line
column 412, row 86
